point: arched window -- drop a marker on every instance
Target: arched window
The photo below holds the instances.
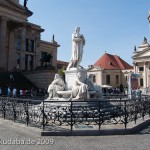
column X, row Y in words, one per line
column 107, row 79
column 94, row 78
column 117, row 79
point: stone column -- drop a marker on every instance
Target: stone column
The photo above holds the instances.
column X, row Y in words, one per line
column 134, row 67
column 12, row 52
column 23, row 48
column 145, row 75
column 3, row 35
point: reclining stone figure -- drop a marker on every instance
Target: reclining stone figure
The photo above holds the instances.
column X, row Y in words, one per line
column 57, row 85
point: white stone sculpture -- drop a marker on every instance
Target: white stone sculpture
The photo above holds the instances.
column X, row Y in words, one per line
column 78, row 41
column 77, row 85
column 57, row 85
column 92, row 87
column 79, row 90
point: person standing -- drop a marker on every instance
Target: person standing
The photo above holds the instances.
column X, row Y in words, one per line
column 14, row 92
column 8, row 91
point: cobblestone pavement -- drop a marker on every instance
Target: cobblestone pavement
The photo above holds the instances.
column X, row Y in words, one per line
column 15, row 136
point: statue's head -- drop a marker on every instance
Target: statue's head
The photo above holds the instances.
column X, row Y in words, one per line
column 57, row 76
column 77, row 29
column 91, row 76
column 79, row 75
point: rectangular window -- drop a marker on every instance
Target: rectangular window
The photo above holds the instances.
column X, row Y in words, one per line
column 141, row 68
column 31, row 62
column 141, row 82
column 18, row 58
column 27, row 44
column 31, row 46
column 26, row 62
column 117, row 79
column 94, row 78
column 19, row 44
column 108, row 79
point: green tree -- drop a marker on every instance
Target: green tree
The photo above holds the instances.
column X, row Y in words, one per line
column 61, row 72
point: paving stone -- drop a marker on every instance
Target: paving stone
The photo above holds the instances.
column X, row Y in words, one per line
column 10, row 130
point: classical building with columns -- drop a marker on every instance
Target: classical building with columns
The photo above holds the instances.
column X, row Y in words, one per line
column 141, row 61
column 21, row 46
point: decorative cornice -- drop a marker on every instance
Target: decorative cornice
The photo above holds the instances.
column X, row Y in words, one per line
column 140, row 52
column 49, row 43
column 15, row 7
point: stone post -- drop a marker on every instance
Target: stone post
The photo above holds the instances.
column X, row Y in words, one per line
column 135, row 68
column 23, row 48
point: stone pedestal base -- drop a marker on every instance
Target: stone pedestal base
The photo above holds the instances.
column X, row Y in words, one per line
column 71, row 76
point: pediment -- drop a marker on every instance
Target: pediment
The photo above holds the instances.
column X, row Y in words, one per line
column 145, row 53
column 8, row 4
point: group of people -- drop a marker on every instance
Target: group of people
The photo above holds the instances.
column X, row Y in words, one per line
column 8, row 91
column 113, row 91
column 14, row 92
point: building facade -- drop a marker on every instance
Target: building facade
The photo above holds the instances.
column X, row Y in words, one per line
column 21, row 46
column 141, row 61
column 111, row 70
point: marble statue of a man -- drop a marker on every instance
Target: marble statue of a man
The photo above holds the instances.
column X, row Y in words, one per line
column 78, row 41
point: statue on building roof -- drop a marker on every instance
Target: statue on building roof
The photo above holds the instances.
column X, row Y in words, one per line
column 53, row 39
column 135, row 48
column 25, row 3
column 145, row 40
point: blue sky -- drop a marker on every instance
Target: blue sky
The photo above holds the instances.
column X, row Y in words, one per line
column 114, row 26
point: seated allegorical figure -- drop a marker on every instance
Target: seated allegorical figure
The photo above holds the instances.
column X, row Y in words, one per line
column 92, row 86
column 79, row 90
column 57, row 85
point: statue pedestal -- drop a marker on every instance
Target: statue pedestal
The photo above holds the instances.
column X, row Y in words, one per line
column 71, row 76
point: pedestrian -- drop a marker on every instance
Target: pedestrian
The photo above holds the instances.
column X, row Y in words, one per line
column 11, row 77
column 8, row 91
column 21, row 93
column 14, row 92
